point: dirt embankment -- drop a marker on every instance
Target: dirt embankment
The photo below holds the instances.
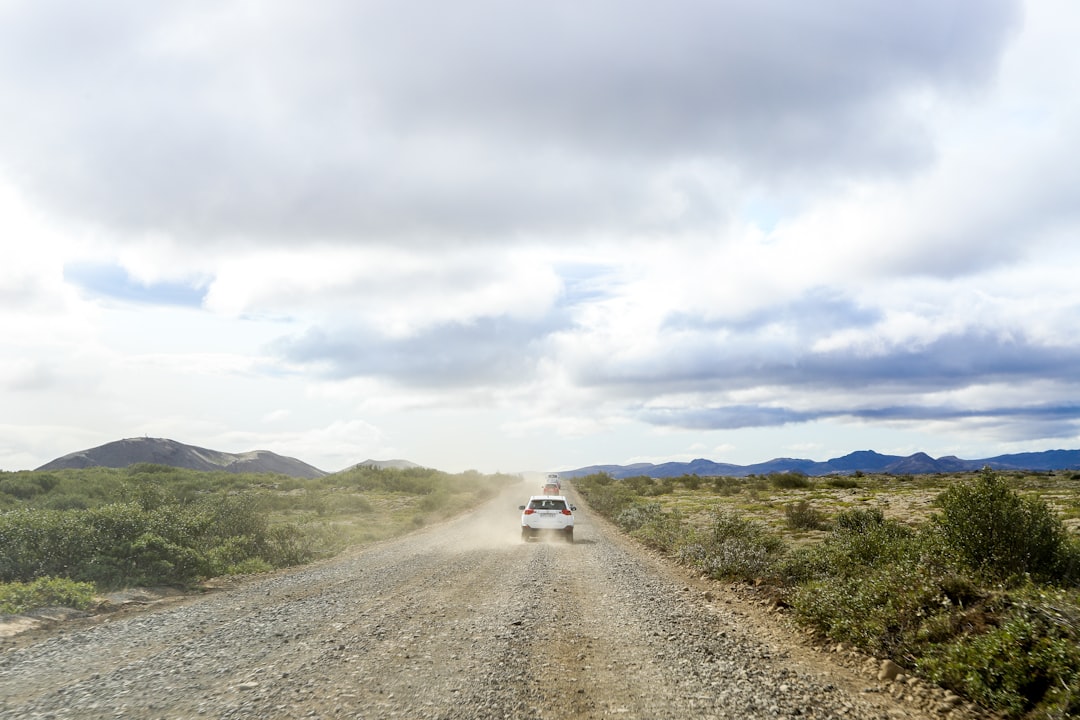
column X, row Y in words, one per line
column 462, row 620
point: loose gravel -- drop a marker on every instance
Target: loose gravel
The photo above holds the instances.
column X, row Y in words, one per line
column 460, row 620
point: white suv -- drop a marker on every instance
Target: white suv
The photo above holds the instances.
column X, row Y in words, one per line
column 547, row 514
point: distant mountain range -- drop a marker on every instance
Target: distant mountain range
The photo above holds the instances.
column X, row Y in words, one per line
column 159, row 451
column 122, row 453
column 862, row 460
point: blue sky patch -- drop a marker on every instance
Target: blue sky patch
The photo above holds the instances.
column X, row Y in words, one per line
column 114, row 282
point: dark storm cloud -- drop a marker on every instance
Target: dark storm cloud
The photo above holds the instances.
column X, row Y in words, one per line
column 435, row 121
column 956, row 360
column 1051, row 420
column 737, row 361
column 729, row 417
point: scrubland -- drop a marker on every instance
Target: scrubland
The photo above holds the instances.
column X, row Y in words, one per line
column 68, row 535
column 971, row 581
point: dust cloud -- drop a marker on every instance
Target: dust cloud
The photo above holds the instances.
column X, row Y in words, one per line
column 497, row 524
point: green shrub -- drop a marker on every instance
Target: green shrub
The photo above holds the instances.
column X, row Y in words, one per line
column 1070, row 565
column 1000, row 533
column 636, row 516
column 21, row 486
column 879, row 585
column 859, row 539
column 65, row 502
column 860, row 520
column 124, row 544
column 609, row 500
column 726, row 485
column 639, row 484
column 890, row 609
column 38, row 543
column 664, row 486
column 1028, row 664
column 148, row 559
column 230, row 555
column 733, row 547
column 434, row 501
column 667, row 534
column 353, row 503
column 17, row 597
column 663, row 531
column 789, row 481
column 597, row 479
column 803, row 516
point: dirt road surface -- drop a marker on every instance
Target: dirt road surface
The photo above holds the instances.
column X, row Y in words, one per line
column 459, row 620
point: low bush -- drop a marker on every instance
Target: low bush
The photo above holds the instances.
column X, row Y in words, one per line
column 789, row 481
column 1002, row 534
column 1026, row 665
column 636, row 516
column 639, row 484
column 648, row 523
column 690, row 482
column 887, row 610
column 803, row 516
column 859, row 539
column 18, row 597
column 663, row 486
column 22, row 487
column 607, row 498
column 725, row 486
column 733, row 547
column 125, row 544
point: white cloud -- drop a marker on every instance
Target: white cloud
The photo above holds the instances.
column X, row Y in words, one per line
column 560, row 231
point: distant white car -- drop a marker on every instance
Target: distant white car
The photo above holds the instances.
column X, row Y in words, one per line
column 547, row 514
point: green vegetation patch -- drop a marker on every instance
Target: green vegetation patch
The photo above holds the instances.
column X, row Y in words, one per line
column 151, row 525
column 17, row 598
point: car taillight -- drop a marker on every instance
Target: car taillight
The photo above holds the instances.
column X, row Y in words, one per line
column 565, row 511
column 529, row 511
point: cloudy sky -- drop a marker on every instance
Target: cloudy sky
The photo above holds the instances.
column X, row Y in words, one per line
column 537, row 236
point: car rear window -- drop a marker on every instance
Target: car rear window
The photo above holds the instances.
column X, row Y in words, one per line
column 547, row 504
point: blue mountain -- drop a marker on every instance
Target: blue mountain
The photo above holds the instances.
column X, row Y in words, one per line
column 866, row 461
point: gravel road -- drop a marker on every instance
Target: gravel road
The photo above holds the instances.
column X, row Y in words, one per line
column 460, row 620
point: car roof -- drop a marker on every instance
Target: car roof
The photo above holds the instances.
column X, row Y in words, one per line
column 547, row 497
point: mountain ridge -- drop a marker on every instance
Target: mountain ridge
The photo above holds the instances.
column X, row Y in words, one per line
column 162, row 451
column 918, row 463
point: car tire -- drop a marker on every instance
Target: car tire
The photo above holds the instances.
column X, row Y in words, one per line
column 525, row 534
column 570, row 536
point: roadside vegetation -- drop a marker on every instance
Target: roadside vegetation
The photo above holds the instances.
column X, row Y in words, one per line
column 67, row 535
column 969, row 580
